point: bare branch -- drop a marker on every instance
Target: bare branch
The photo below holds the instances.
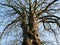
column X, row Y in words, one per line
column 15, row 21
column 15, row 9
column 39, row 4
column 50, row 19
column 49, row 16
column 46, row 8
column 30, row 6
column 35, row 3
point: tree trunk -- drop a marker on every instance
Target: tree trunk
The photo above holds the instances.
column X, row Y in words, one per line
column 30, row 33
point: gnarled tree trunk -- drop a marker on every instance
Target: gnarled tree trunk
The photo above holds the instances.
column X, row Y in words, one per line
column 30, row 33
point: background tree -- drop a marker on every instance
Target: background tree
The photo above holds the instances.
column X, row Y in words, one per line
column 30, row 13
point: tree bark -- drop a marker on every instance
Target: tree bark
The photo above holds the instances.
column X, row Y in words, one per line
column 30, row 33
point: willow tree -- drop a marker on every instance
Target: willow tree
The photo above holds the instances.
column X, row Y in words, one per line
column 30, row 14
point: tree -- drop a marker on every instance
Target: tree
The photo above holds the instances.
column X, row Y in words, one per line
column 30, row 14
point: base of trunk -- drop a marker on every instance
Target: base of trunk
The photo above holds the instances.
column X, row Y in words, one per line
column 31, row 42
column 31, row 39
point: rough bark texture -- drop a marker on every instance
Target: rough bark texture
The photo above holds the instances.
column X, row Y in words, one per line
column 30, row 33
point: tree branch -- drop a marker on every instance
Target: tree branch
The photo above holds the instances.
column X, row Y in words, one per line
column 46, row 8
column 14, row 8
column 50, row 19
column 15, row 21
column 49, row 16
column 35, row 3
column 30, row 6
